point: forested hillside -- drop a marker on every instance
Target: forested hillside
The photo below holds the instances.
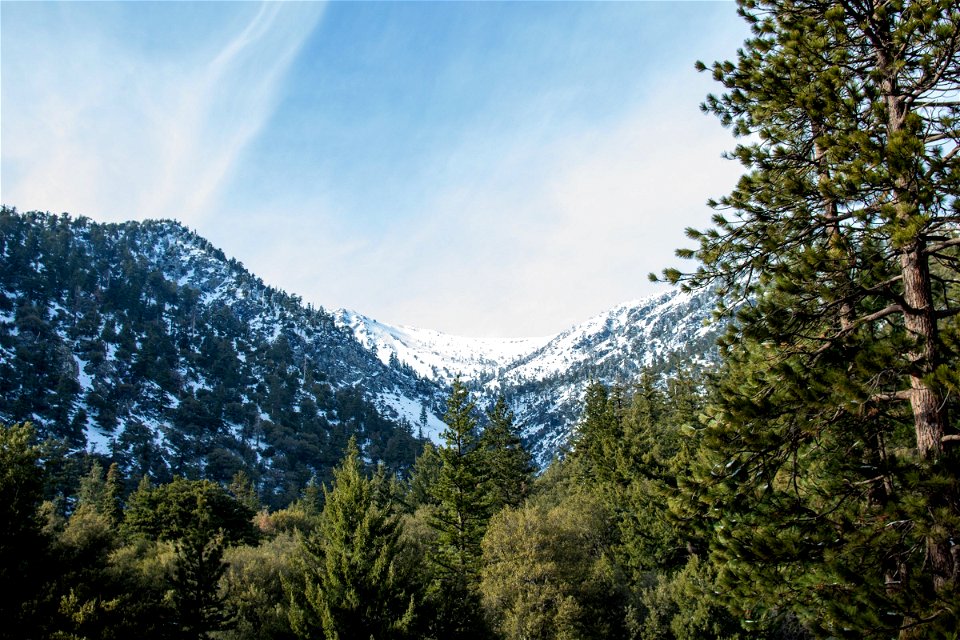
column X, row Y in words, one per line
column 545, row 379
column 142, row 342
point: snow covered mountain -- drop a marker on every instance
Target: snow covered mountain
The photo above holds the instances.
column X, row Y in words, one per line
column 143, row 343
column 435, row 355
column 544, row 378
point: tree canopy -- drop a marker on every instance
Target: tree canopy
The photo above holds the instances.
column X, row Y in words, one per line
column 830, row 467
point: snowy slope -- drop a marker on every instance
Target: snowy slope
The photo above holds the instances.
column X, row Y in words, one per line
column 435, row 355
column 544, row 379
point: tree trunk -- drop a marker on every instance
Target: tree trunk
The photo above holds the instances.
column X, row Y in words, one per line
column 919, row 315
column 928, row 418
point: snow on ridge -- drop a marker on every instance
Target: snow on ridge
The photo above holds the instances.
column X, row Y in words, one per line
column 637, row 324
column 436, row 355
column 599, row 335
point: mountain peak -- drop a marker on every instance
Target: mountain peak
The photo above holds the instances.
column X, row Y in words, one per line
column 436, row 355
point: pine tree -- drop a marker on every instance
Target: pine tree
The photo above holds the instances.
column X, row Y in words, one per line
column 425, row 472
column 509, row 465
column 598, row 433
column 197, row 602
column 460, row 518
column 355, row 582
column 830, row 466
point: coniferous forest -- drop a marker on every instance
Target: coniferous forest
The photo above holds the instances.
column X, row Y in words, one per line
column 805, row 485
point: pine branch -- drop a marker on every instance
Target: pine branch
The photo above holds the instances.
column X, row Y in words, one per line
column 891, row 396
column 940, row 246
column 877, row 315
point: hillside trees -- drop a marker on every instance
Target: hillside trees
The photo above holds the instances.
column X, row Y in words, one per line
column 143, row 341
column 830, row 467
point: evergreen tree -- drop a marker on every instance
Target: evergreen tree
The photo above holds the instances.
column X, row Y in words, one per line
column 598, row 433
column 171, row 511
column 425, row 472
column 830, row 467
column 509, row 465
column 101, row 494
column 460, row 518
column 355, row 583
column 244, row 491
column 198, row 604
column 23, row 545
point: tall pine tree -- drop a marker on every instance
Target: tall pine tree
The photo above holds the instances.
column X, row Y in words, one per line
column 460, row 518
column 509, row 465
column 830, row 467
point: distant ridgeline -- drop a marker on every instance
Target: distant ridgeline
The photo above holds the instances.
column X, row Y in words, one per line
column 143, row 342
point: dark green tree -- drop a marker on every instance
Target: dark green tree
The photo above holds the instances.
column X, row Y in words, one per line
column 201, row 519
column 508, row 464
column 170, row 511
column 460, row 517
column 598, row 433
column 830, row 468
column 198, row 605
column 102, row 494
column 23, row 545
column 424, row 475
column 355, row 582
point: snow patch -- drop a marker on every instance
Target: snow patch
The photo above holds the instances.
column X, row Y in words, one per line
column 411, row 410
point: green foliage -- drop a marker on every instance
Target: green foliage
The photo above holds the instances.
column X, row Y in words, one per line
column 174, row 510
column 201, row 519
column 253, row 588
column 423, row 477
column 827, row 474
column 354, row 583
column 23, row 547
column 197, row 603
column 546, row 573
column 463, row 508
column 683, row 606
column 508, row 464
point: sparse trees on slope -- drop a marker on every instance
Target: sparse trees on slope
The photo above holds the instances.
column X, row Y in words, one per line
column 831, row 460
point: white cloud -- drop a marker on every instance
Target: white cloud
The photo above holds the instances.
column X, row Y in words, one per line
column 95, row 126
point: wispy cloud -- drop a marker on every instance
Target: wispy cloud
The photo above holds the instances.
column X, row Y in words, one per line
column 480, row 168
column 93, row 124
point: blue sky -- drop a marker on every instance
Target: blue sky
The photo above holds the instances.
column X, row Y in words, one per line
column 486, row 169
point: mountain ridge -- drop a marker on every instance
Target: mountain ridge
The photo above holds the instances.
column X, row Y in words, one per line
column 544, row 378
column 158, row 349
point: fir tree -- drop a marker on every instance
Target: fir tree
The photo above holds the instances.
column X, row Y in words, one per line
column 460, row 518
column 355, row 582
column 198, row 605
column 509, row 465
